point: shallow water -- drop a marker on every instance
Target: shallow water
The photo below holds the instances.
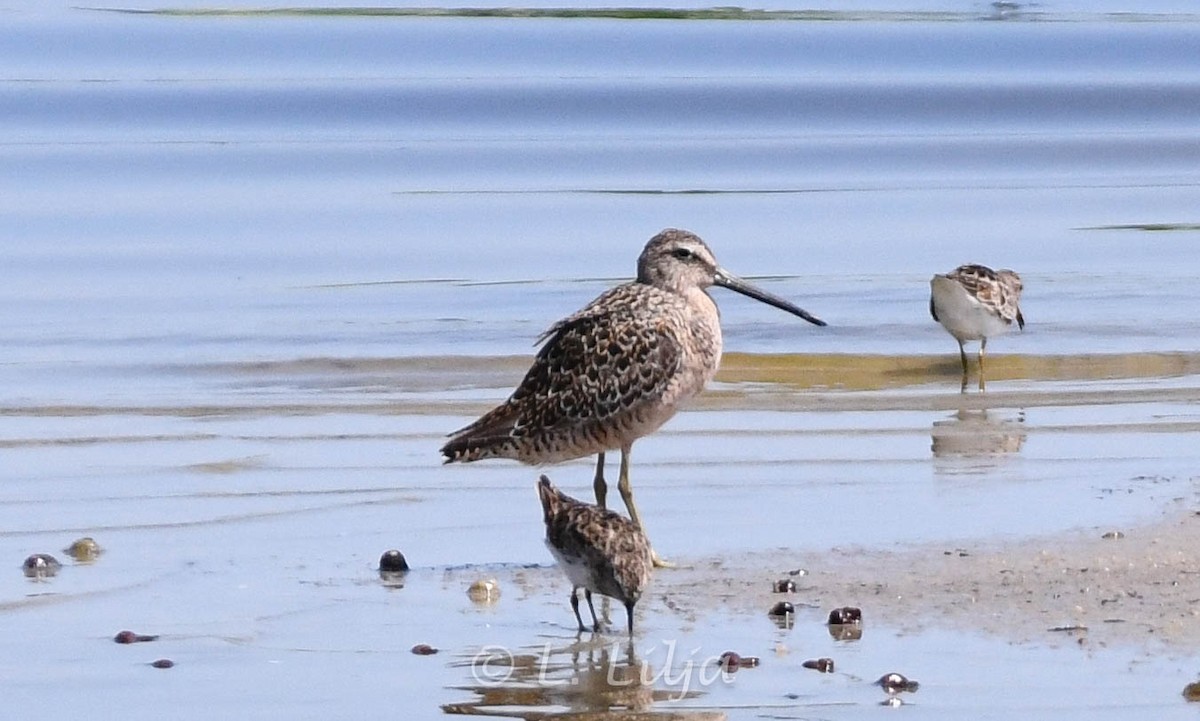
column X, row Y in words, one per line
column 256, row 266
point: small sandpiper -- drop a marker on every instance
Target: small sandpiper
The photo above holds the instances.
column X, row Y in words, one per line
column 974, row 302
column 600, row 551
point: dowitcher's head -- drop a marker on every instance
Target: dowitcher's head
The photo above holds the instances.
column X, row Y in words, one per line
column 677, row 260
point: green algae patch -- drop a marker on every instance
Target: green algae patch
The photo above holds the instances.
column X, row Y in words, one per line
column 875, row 372
column 569, row 13
column 1149, row 227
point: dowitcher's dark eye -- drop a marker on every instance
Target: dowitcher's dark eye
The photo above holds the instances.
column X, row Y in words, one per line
column 682, row 253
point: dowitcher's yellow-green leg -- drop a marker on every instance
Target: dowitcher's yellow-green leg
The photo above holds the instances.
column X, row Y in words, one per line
column 598, row 483
column 982, row 348
column 962, row 353
column 627, row 495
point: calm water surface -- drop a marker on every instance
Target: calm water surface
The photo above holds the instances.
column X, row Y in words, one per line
column 240, row 188
column 254, row 267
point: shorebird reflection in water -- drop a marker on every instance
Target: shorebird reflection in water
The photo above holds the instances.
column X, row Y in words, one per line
column 617, row 369
column 600, row 551
column 974, row 302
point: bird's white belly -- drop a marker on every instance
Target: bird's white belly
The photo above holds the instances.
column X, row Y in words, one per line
column 578, row 572
column 963, row 316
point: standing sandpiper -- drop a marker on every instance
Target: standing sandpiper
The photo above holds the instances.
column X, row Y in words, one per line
column 600, row 551
column 974, row 302
column 617, row 369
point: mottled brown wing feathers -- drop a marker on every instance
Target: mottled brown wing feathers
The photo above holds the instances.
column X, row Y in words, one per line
column 594, row 365
column 549, row 496
column 976, row 279
column 998, row 290
column 598, row 536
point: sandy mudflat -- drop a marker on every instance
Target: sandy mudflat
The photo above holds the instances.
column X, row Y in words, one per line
column 1141, row 588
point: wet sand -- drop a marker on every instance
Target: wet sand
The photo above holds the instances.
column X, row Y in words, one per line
column 1137, row 586
column 245, row 531
column 1090, row 623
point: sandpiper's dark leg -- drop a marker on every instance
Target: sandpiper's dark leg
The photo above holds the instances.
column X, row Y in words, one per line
column 575, row 606
column 629, row 615
column 982, row 349
column 598, row 484
column 962, row 353
column 595, row 623
column 627, row 495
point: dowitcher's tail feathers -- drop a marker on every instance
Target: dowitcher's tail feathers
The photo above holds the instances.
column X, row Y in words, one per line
column 474, row 448
column 489, row 437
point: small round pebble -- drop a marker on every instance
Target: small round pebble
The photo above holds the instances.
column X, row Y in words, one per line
column 732, row 661
column 824, row 665
column 783, row 608
column 163, row 663
column 844, row 615
column 392, row 561
column 484, row 591
column 784, row 585
column 41, row 565
column 1192, row 691
column 131, row 637
column 845, row 631
column 424, row 649
column 84, row 549
column 896, row 682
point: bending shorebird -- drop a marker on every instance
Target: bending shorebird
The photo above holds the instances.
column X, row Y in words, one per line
column 599, row 550
column 617, row 369
column 974, row 302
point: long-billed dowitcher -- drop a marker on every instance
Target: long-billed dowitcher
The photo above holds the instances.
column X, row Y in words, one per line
column 600, row 551
column 974, row 302
column 617, row 369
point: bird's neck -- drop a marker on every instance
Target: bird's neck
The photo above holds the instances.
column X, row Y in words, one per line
column 705, row 319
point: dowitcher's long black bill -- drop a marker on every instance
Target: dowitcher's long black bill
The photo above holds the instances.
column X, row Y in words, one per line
column 734, row 283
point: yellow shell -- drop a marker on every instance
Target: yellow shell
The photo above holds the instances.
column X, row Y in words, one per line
column 484, row 591
column 84, row 549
